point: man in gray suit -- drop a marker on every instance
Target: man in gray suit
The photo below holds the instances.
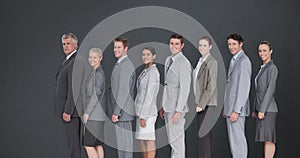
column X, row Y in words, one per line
column 122, row 83
column 175, row 95
column 236, row 99
column 64, row 104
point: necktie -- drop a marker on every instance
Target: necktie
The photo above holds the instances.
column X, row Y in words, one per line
column 65, row 61
column 169, row 64
column 231, row 64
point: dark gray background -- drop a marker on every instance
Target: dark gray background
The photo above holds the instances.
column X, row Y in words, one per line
column 32, row 52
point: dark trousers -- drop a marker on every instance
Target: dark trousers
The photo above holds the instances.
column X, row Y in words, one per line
column 72, row 130
column 204, row 143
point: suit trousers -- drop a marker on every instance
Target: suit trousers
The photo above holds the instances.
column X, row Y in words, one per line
column 237, row 138
column 124, row 139
column 175, row 134
column 72, row 130
column 204, row 143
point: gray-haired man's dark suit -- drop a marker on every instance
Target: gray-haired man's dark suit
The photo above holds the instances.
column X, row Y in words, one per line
column 64, row 103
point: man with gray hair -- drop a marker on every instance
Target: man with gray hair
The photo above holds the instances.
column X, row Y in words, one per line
column 64, row 104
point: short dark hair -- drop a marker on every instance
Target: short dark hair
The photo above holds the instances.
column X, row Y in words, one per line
column 70, row 35
column 267, row 43
column 123, row 40
column 151, row 49
column 236, row 37
column 207, row 38
column 177, row 36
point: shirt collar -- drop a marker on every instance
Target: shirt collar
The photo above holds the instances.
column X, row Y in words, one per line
column 176, row 56
column 122, row 58
column 68, row 56
column 237, row 54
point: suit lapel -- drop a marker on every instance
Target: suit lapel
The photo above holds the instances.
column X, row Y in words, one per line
column 264, row 69
column 117, row 66
column 65, row 63
column 237, row 60
column 204, row 64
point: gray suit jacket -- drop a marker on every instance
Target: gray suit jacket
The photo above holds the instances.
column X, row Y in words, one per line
column 95, row 95
column 177, row 85
column 206, row 83
column 147, row 90
column 265, row 89
column 236, row 97
column 122, row 90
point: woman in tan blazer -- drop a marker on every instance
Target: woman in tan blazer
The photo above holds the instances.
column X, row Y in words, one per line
column 205, row 90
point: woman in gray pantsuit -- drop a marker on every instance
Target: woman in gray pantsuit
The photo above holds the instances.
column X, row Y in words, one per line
column 94, row 115
column 145, row 103
column 265, row 107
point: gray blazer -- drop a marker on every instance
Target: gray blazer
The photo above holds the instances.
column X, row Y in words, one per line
column 147, row 90
column 177, row 84
column 95, row 95
column 122, row 90
column 265, row 89
column 236, row 97
column 206, row 83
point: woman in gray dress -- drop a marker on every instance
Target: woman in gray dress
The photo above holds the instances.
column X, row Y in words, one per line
column 265, row 107
column 145, row 104
column 94, row 115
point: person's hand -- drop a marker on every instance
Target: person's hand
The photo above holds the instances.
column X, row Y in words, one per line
column 254, row 114
column 114, row 118
column 198, row 109
column 223, row 114
column 175, row 117
column 261, row 115
column 143, row 123
column 234, row 116
column 85, row 118
column 66, row 117
column 162, row 113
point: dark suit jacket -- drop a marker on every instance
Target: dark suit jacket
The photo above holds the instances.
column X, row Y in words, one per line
column 265, row 89
column 64, row 101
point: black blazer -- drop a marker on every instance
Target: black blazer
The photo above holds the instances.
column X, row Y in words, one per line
column 63, row 100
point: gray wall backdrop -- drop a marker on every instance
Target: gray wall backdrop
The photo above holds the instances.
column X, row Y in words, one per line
column 31, row 53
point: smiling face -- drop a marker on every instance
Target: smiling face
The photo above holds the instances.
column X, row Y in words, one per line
column 204, row 47
column 94, row 59
column 264, row 53
column 175, row 46
column 234, row 46
column 69, row 45
column 119, row 49
column 147, row 56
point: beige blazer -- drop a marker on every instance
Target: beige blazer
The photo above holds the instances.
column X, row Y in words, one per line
column 206, row 83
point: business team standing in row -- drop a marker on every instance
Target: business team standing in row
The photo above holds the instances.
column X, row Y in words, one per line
column 178, row 78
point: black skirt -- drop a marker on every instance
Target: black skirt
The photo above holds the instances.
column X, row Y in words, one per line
column 93, row 133
column 266, row 128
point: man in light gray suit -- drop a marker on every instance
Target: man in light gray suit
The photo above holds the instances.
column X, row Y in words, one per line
column 175, row 95
column 236, row 99
column 122, row 83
